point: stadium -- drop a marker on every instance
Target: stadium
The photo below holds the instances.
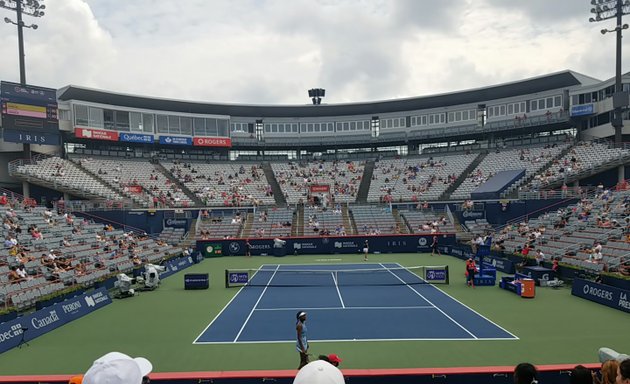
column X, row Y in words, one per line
column 191, row 233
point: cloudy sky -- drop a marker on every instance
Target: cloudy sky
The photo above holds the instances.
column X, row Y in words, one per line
column 272, row 51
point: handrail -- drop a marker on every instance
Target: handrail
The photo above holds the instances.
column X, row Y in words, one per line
column 125, row 227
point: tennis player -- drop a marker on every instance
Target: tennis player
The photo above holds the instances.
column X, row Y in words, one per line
column 434, row 246
column 366, row 249
column 302, row 341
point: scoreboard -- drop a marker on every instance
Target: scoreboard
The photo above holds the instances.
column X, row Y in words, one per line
column 28, row 108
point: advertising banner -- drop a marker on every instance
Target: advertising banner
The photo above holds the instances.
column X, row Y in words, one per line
column 95, row 134
column 33, row 325
column 582, row 110
column 31, row 137
column 176, row 223
column 319, row 188
column 175, row 140
column 603, row 294
column 326, row 245
column 136, row 138
column 212, row 142
column 212, row 250
column 175, row 265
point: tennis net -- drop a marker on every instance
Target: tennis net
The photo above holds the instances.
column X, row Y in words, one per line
column 273, row 277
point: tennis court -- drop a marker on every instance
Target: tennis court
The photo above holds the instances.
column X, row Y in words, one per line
column 346, row 302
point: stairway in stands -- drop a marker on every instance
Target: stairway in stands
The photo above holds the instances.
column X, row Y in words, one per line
column 400, row 221
column 364, row 187
column 278, row 195
column 347, row 221
column 181, row 185
column 447, row 194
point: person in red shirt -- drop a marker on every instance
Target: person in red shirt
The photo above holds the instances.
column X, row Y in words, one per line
column 3, row 199
column 471, row 269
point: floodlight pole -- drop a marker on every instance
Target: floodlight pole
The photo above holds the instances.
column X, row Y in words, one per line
column 20, row 29
column 604, row 10
column 33, row 8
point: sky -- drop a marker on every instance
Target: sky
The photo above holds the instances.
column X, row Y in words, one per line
column 273, row 51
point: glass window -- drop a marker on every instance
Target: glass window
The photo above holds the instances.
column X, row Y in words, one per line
column 502, row 110
column 186, row 125
column 346, row 126
column 199, row 125
column 413, row 121
column 109, row 121
column 424, row 120
column 81, row 115
column 549, row 102
column 148, row 122
column 274, row 128
column 173, row 124
column 534, row 105
column 541, row 104
column 575, row 100
column 162, row 123
column 96, row 117
column 211, row 127
column 510, row 109
column 294, row 128
column 458, row 116
column 431, row 119
column 122, row 120
column 135, row 122
column 396, row 123
column 451, row 117
column 222, row 127
column 557, row 101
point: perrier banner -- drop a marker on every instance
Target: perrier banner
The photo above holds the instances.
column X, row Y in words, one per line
column 212, row 250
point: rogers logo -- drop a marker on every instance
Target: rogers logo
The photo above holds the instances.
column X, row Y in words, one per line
column 212, row 142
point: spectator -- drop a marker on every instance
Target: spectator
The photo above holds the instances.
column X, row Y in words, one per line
column 608, row 373
column 623, row 372
column 319, row 372
column 525, row 373
column 581, row 375
column 116, row 367
column 332, row 359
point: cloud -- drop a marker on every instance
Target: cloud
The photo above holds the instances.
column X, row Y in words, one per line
column 270, row 52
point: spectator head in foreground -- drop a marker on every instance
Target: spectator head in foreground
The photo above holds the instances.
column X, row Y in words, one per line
column 608, row 372
column 319, row 372
column 118, row 368
column 525, row 373
column 623, row 372
column 606, row 354
column 332, row 359
column 581, row 375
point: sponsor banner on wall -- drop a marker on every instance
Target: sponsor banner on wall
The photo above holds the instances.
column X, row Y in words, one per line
column 134, row 188
column 13, row 136
column 176, row 140
column 33, row 325
column 136, row 138
column 95, row 134
column 176, row 223
column 319, row 188
column 175, row 265
column 212, row 250
column 582, row 110
column 212, row 142
column 329, row 245
column 603, row 294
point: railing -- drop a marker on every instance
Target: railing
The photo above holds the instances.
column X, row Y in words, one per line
column 98, row 205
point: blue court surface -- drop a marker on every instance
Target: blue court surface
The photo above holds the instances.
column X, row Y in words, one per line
column 383, row 302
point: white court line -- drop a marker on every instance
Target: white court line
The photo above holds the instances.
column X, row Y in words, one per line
column 339, row 308
column 359, row 340
column 337, row 287
column 428, row 301
column 220, row 312
column 472, row 310
column 255, row 305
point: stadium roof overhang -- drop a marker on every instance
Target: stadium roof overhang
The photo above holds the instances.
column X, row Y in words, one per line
column 560, row 80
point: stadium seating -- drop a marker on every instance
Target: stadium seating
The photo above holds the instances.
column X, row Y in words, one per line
column 222, row 184
column 61, row 174
column 374, row 220
column 342, row 177
column 416, row 179
column 570, row 234
column 88, row 248
column 128, row 174
column 531, row 159
column 583, row 157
